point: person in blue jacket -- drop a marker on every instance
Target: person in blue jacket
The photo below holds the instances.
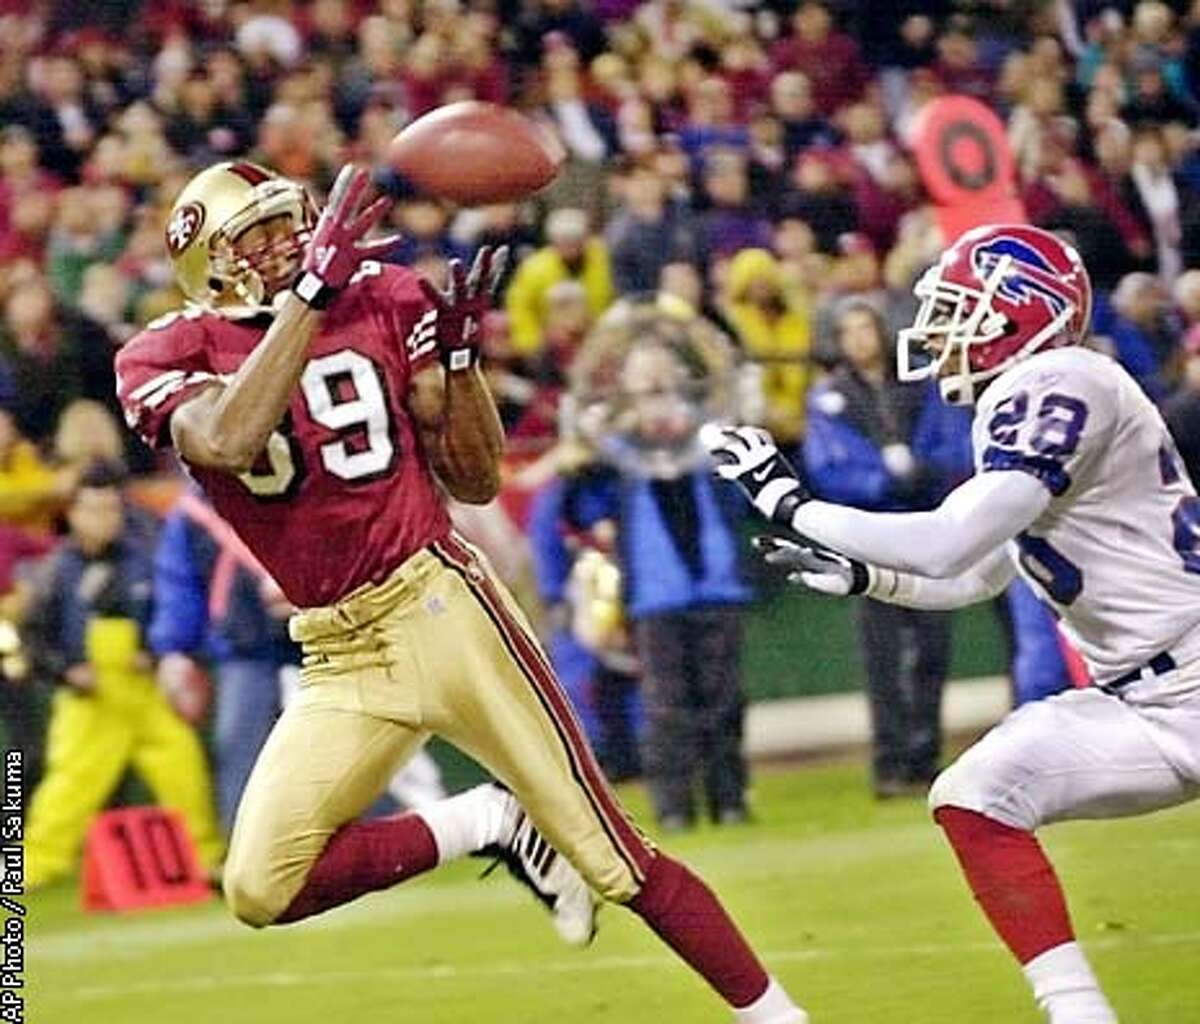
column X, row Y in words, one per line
column 213, row 605
column 678, row 549
column 876, row 444
column 567, row 517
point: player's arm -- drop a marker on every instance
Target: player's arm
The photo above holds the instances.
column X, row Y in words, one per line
column 831, row 573
column 460, row 427
column 226, row 426
column 975, row 518
column 460, row 431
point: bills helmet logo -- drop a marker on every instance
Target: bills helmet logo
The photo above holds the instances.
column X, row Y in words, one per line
column 1030, row 276
column 183, row 227
column 999, row 294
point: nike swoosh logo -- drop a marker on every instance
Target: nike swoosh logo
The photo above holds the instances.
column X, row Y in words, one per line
column 759, row 475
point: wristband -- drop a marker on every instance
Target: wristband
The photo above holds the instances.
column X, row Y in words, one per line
column 313, row 292
column 457, row 359
column 788, row 504
column 860, row 577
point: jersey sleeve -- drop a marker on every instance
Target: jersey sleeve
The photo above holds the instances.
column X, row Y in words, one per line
column 413, row 316
column 157, row 371
column 1051, row 423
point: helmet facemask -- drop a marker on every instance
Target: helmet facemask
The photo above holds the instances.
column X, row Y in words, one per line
column 252, row 276
column 952, row 325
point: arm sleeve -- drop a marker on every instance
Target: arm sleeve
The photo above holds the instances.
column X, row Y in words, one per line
column 1038, row 435
column 412, row 315
column 975, row 518
column 159, row 370
column 981, row 582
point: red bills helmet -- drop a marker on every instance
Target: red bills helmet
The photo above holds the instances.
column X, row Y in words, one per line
column 997, row 295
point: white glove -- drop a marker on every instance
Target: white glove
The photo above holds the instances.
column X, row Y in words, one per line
column 816, row 567
column 748, row 457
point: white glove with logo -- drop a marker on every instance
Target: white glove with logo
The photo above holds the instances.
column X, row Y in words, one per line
column 818, row 568
column 748, row 457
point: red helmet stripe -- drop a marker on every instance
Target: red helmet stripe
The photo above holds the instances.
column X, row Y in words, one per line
column 254, row 175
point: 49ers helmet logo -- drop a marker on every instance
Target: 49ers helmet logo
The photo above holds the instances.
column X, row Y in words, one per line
column 184, row 225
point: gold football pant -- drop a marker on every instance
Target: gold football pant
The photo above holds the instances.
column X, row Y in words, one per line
column 92, row 739
column 440, row 648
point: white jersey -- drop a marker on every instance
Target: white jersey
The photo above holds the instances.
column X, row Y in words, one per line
column 1117, row 552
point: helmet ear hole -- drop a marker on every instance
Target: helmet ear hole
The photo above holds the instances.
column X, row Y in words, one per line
column 1010, row 327
column 216, row 285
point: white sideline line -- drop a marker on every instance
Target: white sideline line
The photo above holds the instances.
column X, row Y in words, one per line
column 583, row 965
column 796, row 725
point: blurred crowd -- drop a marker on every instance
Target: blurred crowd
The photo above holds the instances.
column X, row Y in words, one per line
column 744, row 162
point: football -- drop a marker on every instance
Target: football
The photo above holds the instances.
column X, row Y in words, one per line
column 475, row 153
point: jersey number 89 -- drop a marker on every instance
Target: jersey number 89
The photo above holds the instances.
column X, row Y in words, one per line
column 344, row 393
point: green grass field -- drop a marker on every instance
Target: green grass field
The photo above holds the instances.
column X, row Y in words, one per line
column 858, row 907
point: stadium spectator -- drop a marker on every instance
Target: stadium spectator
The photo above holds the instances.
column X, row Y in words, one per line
column 958, row 67
column 1141, row 335
column 1160, row 198
column 60, row 116
column 424, row 232
column 87, row 432
column 587, row 641
column 209, row 605
column 541, row 19
column 203, row 128
column 1182, row 409
column 647, row 232
column 571, row 253
column 1186, row 295
column 22, row 705
column 829, row 59
column 732, row 220
column 32, row 494
column 791, row 102
column 86, row 231
column 676, row 544
column 874, row 443
column 89, row 612
column 675, row 28
column 51, row 356
column 775, row 329
column 819, row 197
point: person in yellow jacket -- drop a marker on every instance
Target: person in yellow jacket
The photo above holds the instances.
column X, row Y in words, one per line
column 31, row 492
column 775, row 328
column 571, row 253
column 91, row 604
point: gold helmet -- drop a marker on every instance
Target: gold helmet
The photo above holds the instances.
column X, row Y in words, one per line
column 214, row 209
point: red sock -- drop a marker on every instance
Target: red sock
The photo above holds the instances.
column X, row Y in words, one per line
column 1011, row 879
column 362, row 857
column 685, row 914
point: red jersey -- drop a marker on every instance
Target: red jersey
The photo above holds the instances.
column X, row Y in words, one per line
column 343, row 493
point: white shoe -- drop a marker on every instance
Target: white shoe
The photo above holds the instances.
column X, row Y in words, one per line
column 534, row 863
